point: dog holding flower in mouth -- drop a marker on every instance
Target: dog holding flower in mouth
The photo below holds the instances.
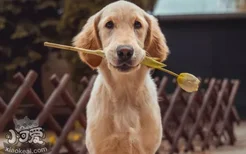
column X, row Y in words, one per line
column 123, row 114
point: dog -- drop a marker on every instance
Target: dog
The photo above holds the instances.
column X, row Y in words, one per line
column 123, row 114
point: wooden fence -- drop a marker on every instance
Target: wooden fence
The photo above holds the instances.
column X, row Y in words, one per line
column 207, row 116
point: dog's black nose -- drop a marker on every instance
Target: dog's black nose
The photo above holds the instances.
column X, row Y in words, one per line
column 124, row 52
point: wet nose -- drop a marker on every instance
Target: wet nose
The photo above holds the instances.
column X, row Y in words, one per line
column 124, row 52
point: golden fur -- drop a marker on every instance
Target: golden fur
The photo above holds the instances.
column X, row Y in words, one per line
column 123, row 114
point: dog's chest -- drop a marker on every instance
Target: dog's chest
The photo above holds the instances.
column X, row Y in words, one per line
column 126, row 111
column 123, row 117
column 126, row 114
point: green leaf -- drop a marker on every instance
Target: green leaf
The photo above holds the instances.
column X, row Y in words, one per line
column 2, row 22
column 34, row 55
column 49, row 22
column 20, row 61
column 23, row 63
column 15, row 9
column 5, row 51
column 25, row 29
column 19, row 33
column 10, row 67
column 46, row 4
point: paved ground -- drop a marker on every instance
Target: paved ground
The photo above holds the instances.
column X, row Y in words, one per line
column 238, row 148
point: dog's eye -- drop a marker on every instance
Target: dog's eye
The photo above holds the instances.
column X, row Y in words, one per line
column 109, row 25
column 137, row 25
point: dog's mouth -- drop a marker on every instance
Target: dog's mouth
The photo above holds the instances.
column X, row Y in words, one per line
column 125, row 67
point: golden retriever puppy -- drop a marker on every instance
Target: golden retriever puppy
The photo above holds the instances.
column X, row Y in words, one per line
column 123, row 114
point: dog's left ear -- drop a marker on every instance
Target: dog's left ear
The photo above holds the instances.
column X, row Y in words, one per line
column 88, row 38
column 155, row 42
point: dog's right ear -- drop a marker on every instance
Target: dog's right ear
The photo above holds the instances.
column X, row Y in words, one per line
column 88, row 38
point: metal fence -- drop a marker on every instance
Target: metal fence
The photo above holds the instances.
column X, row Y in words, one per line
column 209, row 113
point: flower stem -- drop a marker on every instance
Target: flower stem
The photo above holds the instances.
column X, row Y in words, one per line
column 94, row 52
column 75, row 49
column 168, row 71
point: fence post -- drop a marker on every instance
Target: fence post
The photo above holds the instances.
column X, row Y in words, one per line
column 17, row 98
column 69, row 124
column 19, row 78
column 200, row 115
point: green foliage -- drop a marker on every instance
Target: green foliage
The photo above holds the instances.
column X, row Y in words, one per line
column 26, row 24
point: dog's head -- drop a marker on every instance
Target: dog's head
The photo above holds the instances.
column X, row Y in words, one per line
column 126, row 33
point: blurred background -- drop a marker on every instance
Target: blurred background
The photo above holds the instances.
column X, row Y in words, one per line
column 206, row 38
